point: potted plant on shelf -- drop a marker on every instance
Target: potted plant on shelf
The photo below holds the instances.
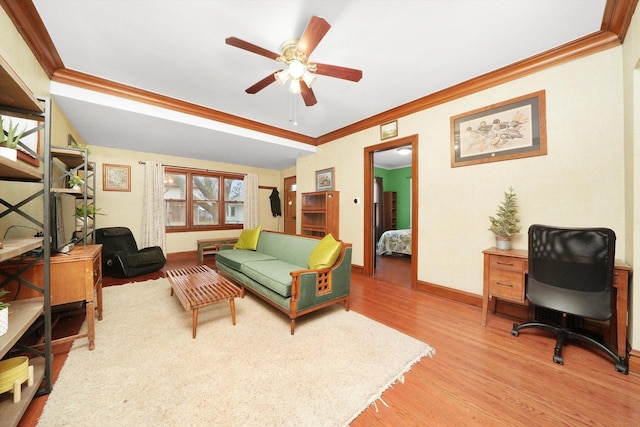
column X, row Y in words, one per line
column 506, row 223
column 75, row 182
column 90, row 211
column 4, row 314
column 9, row 140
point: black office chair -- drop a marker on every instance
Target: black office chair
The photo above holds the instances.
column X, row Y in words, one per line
column 571, row 272
column 121, row 257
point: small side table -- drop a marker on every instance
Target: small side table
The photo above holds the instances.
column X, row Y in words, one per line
column 211, row 246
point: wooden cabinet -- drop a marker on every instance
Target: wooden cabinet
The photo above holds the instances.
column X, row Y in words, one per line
column 506, row 277
column 320, row 213
column 74, row 277
column 390, row 206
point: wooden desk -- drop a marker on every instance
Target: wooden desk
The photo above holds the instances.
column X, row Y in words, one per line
column 74, row 277
column 505, row 278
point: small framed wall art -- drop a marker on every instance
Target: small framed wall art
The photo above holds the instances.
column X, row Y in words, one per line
column 389, row 130
column 508, row 130
column 116, row 177
column 325, row 180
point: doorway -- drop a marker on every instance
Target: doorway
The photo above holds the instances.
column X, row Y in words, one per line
column 369, row 205
column 290, row 191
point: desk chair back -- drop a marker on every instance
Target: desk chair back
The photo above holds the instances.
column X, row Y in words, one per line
column 571, row 270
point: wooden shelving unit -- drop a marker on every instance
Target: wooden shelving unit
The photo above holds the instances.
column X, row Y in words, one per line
column 16, row 100
column 390, row 206
column 321, row 213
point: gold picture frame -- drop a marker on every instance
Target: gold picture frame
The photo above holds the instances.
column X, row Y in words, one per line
column 389, row 130
column 116, row 177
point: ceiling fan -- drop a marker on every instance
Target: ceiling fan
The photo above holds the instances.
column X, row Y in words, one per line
column 295, row 55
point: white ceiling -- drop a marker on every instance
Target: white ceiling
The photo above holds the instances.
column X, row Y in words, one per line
column 407, row 49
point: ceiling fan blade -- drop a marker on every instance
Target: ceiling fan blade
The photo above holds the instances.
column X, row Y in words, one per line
column 262, row 84
column 315, row 31
column 339, row 72
column 307, row 94
column 234, row 41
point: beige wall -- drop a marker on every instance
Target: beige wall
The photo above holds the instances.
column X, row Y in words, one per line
column 631, row 73
column 580, row 182
column 125, row 208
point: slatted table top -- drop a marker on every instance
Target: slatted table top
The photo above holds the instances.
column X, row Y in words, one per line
column 200, row 286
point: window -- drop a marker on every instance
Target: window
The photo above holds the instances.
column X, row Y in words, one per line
column 197, row 200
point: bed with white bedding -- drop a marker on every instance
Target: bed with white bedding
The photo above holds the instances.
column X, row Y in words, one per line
column 395, row 242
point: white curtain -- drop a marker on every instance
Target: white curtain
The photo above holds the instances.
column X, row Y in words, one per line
column 153, row 206
column 251, row 201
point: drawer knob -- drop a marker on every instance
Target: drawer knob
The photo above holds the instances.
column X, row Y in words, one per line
column 504, row 263
column 504, row 284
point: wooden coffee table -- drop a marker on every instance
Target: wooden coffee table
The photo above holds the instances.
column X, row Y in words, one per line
column 201, row 286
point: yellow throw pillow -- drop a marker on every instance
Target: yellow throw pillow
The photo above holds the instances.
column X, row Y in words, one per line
column 325, row 254
column 248, row 239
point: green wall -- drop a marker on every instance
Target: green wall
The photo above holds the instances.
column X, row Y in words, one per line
column 398, row 180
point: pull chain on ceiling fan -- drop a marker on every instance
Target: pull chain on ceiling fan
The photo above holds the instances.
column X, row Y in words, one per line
column 295, row 55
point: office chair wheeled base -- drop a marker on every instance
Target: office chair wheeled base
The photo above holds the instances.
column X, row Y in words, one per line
column 564, row 335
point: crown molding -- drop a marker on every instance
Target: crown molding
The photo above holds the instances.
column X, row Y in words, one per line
column 582, row 47
column 27, row 21
column 87, row 81
column 615, row 24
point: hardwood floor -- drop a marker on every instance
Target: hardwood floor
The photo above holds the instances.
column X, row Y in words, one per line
column 394, row 269
column 479, row 375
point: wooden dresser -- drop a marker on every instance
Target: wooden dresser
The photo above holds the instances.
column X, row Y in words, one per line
column 75, row 277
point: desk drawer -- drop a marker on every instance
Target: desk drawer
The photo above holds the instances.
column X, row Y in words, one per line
column 506, row 263
column 506, row 285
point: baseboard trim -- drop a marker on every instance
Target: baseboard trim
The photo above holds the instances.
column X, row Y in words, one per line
column 634, row 362
column 452, row 294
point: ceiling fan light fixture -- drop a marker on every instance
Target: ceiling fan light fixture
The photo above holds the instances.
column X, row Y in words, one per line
column 296, row 69
column 308, row 78
column 294, row 86
column 282, row 76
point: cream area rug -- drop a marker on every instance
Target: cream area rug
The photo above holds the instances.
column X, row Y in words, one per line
column 147, row 370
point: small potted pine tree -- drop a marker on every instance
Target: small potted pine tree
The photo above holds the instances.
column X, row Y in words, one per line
column 506, row 223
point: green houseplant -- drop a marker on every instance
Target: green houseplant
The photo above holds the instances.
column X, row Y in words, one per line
column 75, row 181
column 9, row 140
column 90, row 211
column 4, row 313
column 12, row 136
column 506, row 223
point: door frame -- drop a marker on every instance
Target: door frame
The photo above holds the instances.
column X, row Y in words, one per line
column 369, row 253
column 286, row 208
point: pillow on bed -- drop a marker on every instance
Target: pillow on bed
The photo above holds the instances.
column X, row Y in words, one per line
column 248, row 239
column 325, row 254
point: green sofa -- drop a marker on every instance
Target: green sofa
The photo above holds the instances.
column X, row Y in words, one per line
column 278, row 272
